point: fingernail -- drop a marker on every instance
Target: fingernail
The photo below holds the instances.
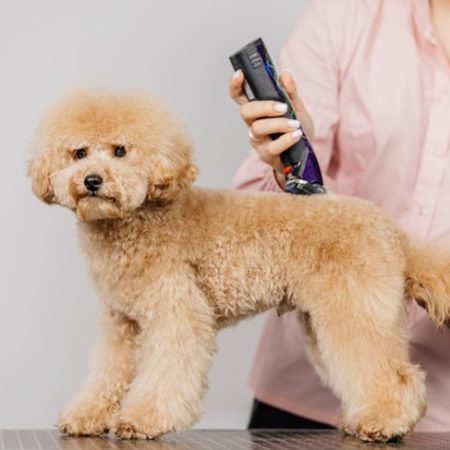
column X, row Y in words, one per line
column 296, row 134
column 294, row 123
column 281, row 107
column 237, row 74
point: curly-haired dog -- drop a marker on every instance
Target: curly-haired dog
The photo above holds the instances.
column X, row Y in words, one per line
column 173, row 264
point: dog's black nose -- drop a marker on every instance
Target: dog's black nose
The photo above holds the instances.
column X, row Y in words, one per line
column 93, row 182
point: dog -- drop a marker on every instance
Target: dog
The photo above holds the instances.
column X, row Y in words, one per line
column 174, row 263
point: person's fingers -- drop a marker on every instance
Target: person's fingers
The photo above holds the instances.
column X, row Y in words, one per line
column 236, row 88
column 279, row 145
column 269, row 150
column 272, row 160
column 288, row 82
column 251, row 111
column 263, row 119
column 262, row 128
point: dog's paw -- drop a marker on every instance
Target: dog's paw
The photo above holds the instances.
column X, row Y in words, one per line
column 380, row 432
column 135, row 423
column 392, row 410
column 378, row 428
column 84, row 419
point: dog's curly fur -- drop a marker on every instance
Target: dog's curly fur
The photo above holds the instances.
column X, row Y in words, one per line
column 175, row 263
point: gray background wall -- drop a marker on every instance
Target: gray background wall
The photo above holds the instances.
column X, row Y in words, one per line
column 176, row 48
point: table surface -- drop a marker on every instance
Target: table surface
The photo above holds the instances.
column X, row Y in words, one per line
column 217, row 440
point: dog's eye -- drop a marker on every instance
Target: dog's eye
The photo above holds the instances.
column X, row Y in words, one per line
column 120, row 151
column 80, row 153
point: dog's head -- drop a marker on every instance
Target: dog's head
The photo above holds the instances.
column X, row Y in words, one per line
column 104, row 154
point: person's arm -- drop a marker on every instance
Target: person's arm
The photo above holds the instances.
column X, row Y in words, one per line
column 311, row 57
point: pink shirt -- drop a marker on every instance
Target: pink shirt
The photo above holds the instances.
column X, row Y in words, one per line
column 377, row 84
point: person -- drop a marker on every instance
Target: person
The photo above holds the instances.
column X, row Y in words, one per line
column 374, row 77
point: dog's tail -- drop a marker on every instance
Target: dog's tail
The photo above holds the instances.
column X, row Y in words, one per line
column 428, row 279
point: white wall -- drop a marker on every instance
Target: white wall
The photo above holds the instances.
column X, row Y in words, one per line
column 180, row 50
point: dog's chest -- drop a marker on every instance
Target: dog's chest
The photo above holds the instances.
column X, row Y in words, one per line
column 122, row 264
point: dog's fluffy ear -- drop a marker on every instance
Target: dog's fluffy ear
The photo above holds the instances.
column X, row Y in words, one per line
column 39, row 169
column 174, row 169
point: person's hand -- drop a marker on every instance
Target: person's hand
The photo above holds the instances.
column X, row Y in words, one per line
column 263, row 118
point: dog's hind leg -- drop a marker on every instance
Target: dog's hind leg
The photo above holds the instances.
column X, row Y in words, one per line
column 176, row 346
column 361, row 337
column 112, row 367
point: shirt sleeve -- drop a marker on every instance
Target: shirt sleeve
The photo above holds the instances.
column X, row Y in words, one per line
column 255, row 175
column 309, row 54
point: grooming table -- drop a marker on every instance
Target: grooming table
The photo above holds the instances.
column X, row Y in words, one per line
column 217, row 440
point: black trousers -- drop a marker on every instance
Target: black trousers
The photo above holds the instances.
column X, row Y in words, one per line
column 266, row 416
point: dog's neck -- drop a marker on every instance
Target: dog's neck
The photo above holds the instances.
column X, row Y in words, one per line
column 148, row 212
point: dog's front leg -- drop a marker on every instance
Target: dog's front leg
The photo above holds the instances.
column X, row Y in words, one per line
column 111, row 372
column 176, row 345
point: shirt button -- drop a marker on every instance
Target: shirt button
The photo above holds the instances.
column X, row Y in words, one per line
column 442, row 94
column 429, row 34
column 436, row 151
column 423, row 211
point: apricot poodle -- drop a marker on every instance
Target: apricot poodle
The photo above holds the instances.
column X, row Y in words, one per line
column 174, row 263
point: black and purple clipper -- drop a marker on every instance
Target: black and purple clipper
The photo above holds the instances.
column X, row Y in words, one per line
column 303, row 175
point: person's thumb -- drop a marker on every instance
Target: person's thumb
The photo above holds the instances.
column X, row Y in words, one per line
column 288, row 83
